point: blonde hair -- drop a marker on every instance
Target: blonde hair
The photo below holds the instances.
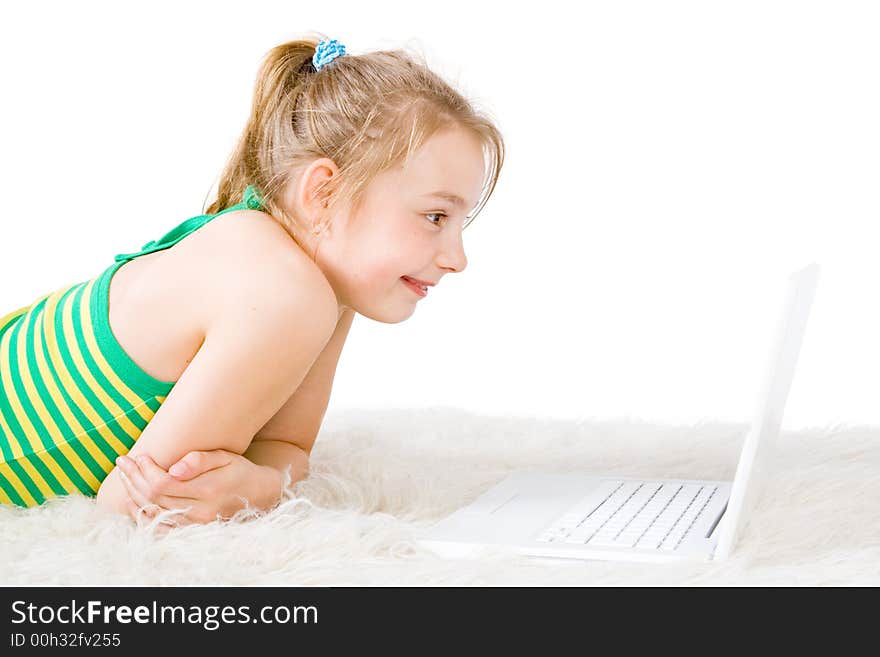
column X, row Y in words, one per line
column 366, row 112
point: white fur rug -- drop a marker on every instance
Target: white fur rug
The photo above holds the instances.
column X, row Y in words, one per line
column 380, row 476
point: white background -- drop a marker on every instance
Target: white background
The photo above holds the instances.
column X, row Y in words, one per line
column 668, row 164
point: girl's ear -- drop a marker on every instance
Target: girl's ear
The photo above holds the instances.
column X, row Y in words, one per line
column 312, row 192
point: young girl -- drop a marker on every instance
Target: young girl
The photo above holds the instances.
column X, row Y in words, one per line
column 213, row 349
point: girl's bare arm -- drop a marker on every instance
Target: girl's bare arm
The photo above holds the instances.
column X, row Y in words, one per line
column 299, row 420
column 256, row 352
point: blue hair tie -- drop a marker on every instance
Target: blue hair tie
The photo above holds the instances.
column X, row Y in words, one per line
column 326, row 52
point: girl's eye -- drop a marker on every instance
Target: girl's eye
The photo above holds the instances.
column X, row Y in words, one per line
column 435, row 214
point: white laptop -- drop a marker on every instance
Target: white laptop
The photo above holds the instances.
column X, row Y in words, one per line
column 585, row 516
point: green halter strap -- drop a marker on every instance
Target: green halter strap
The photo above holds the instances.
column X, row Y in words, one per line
column 251, row 200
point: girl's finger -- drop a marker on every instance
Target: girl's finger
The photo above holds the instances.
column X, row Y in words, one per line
column 135, row 478
column 134, row 493
column 141, row 515
column 132, row 509
column 144, row 475
column 174, row 493
column 138, row 507
column 141, row 506
column 196, row 463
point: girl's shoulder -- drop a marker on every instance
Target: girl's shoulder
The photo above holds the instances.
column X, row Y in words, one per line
column 161, row 304
column 249, row 250
column 236, row 256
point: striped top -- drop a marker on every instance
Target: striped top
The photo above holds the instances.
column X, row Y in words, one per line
column 71, row 399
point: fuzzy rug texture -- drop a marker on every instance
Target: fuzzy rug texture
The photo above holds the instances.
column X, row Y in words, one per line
column 380, row 477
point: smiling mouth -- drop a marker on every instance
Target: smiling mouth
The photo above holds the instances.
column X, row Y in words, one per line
column 421, row 290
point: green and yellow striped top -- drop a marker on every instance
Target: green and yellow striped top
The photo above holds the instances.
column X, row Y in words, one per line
column 71, row 399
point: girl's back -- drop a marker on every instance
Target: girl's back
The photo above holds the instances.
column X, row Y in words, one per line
column 160, row 302
column 85, row 368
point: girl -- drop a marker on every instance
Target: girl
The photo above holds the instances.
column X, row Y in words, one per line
column 208, row 356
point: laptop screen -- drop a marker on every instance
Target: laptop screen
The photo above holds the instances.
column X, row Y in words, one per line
column 759, row 447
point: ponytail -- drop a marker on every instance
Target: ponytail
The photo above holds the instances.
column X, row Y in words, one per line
column 367, row 113
column 282, row 76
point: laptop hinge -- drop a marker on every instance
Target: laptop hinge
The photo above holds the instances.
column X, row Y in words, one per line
column 717, row 520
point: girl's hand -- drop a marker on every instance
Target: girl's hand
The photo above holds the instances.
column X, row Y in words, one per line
column 209, row 485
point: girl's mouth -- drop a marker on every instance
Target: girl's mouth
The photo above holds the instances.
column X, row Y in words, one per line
column 415, row 287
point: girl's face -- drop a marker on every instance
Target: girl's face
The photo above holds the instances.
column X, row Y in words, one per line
column 403, row 229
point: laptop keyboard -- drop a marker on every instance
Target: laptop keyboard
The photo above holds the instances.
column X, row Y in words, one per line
column 654, row 515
